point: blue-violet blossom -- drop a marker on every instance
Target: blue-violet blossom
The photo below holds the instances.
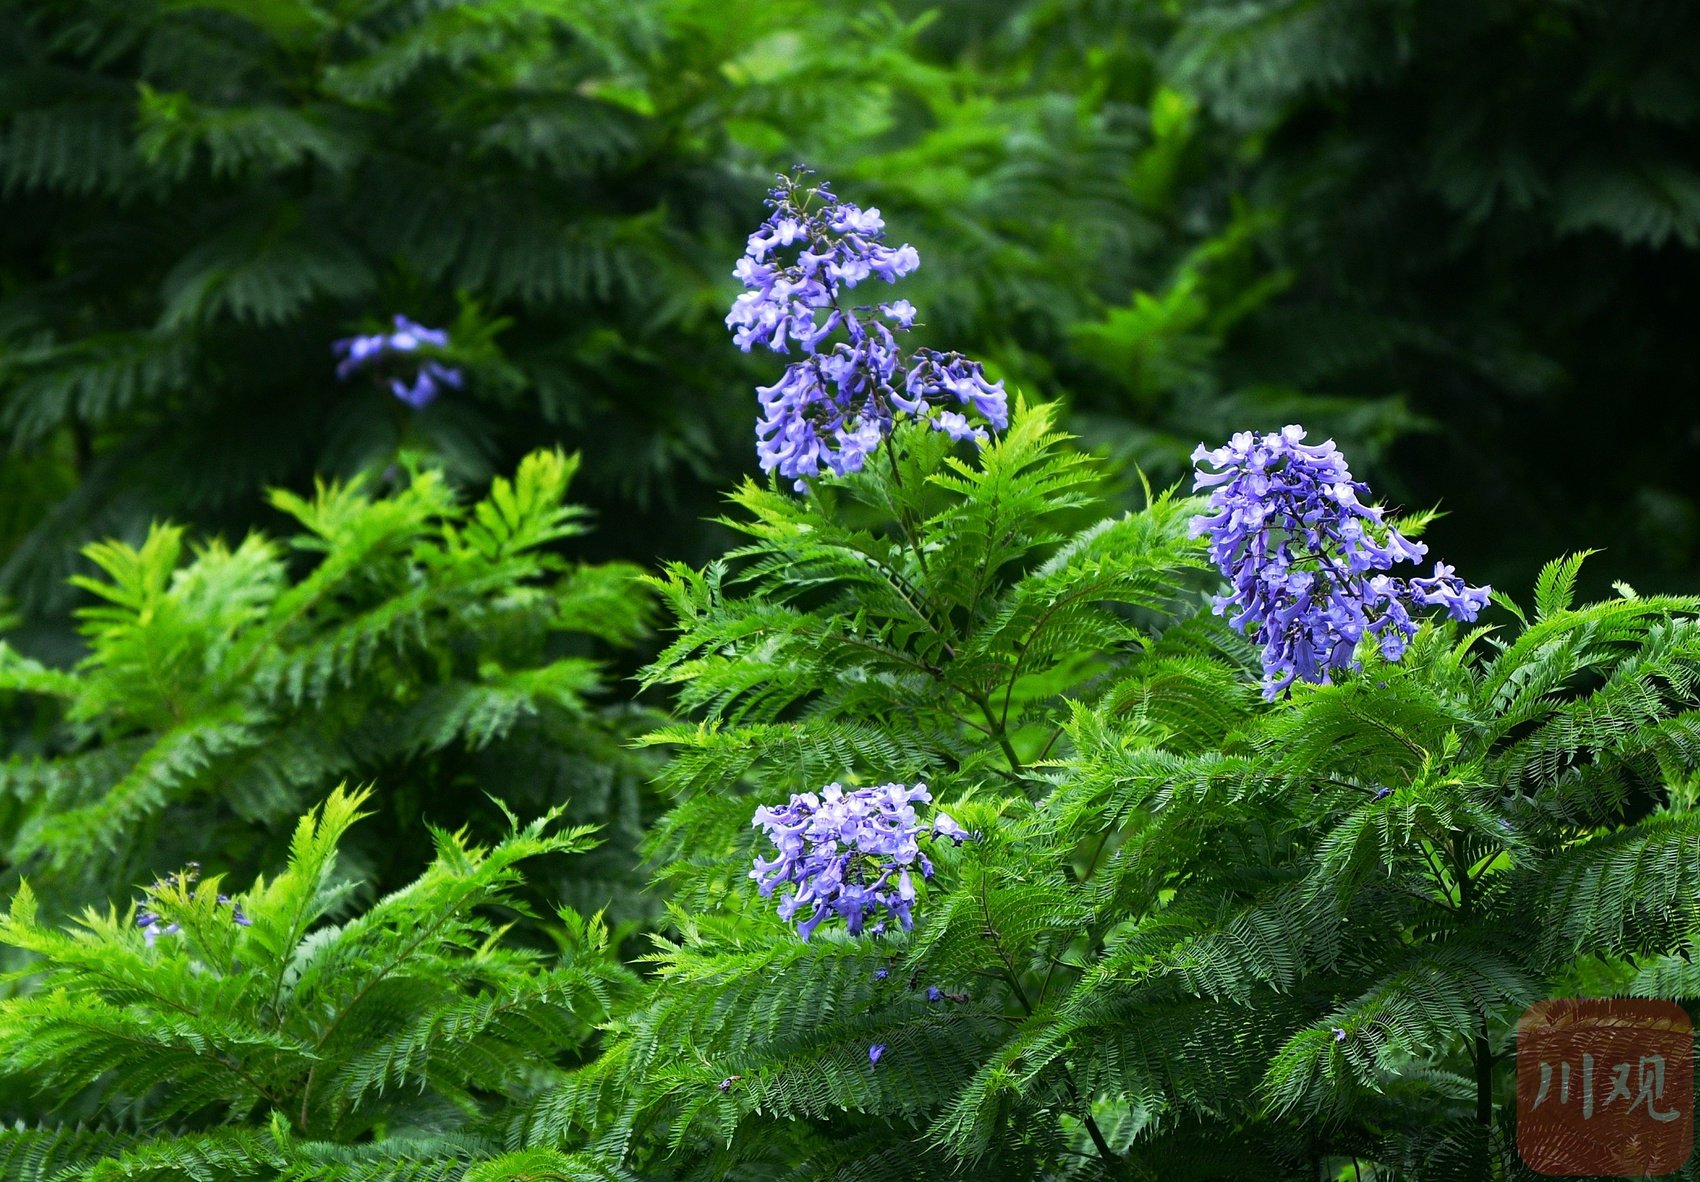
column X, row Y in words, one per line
column 1305, row 557
column 152, row 923
column 375, row 352
column 834, row 405
column 849, row 853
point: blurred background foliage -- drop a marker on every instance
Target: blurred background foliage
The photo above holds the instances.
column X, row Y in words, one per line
column 1458, row 234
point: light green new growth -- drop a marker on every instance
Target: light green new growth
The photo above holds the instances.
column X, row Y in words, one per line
column 409, row 635
column 314, row 1043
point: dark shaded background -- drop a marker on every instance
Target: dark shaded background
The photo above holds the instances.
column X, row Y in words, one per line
column 1461, row 235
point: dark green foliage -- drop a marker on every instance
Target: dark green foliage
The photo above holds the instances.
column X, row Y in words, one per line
column 1478, row 217
column 201, row 197
column 441, row 648
column 313, row 1043
column 198, row 198
column 1081, row 226
column 1184, row 218
column 1493, row 208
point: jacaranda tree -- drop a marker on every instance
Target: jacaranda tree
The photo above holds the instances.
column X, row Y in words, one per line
column 1150, row 926
column 1189, row 934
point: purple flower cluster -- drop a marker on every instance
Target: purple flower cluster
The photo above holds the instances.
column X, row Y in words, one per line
column 148, row 921
column 1305, row 557
column 151, row 922
column 377, row 351
column 849, row 853
column 835, row 404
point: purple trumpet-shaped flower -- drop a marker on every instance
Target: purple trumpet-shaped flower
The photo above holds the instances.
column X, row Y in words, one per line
column 419, row 382
column 834, row 405
column 153, row 925
column 874, row 1053
column 1305, row 558
column 152, row 928
column 426, row 385
column 943, row 826
column 849, row 854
